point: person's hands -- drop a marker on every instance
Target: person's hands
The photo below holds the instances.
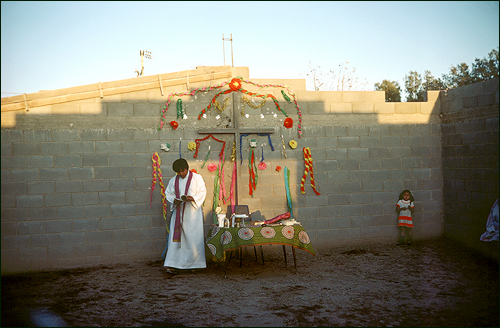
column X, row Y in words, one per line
column 177, row 202
column 190, row 198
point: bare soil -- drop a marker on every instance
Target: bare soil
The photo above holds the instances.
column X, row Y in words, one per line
column 430, row 283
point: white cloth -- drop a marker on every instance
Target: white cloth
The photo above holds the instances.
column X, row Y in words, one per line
column 491, row 233
column 191, row 253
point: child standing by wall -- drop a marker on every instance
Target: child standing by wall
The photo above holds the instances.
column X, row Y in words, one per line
column 405, row 208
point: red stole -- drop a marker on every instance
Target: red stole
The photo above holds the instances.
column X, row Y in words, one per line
column 178, row 215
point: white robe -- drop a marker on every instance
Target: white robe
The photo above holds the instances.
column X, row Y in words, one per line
column 191, row 253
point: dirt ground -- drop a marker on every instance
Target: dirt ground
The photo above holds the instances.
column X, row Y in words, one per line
column 431, row 283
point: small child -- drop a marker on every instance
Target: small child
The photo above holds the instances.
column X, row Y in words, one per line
column 405, row 207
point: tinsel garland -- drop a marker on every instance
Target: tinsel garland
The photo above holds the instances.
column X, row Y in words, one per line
column 157, row 171
column 245, row 100
column 180, row 114
column 308, row 162
column 224, row 105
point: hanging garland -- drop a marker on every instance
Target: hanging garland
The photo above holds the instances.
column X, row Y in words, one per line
column 245, row 100
column 224, row 105
column 157, row 171
column 286, row 171
column 180, row 113
column 285, row 96
column 259, row 134
column 252, row 172
column 197, row 141
column 308, row 162
column 235, row 85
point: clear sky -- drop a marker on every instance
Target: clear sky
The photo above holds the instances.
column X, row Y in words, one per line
column 54, row 45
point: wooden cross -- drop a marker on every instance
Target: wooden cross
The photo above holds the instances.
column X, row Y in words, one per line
column 237, row 131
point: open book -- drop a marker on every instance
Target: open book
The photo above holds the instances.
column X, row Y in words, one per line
column 183, row 198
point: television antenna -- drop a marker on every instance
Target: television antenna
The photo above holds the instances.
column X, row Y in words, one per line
column 224, row 49
column 143, row 54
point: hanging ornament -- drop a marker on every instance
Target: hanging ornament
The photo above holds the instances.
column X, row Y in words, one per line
column 253, row 143
column 179, row 109
column 191, row 145
column 285, row 96
column 206, row 158
column 165, row 146
column 224, row 105
column 308, row 163
column 292, row 144
column 157, row 172
column 193, row 170
column 233, row 152
column 288, row 123
column 278, row 168
column 245, row 100
column 262, row 166
column 174, row 124
column 212, row 167
column 252, row 172
column 235, row 84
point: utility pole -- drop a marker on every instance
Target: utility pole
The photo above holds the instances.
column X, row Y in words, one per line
column 224, row 50
column 143, row 54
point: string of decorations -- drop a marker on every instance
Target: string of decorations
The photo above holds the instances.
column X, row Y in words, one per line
column 252, row 172
column 245, row 100
column 157, row 171
column 308, row 162
column 197, row 141
column 235, row 85
column 180, row 113
column 180, row 94
column 224, row 105
column 206, row 158
column 268, row 138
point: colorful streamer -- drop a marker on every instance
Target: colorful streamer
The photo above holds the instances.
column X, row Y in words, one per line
column 308, row 162
column 157, row 171
column 286, row 172
column 197, row 141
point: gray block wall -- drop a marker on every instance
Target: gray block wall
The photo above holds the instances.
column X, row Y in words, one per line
column 76, row 177
column 470, row 162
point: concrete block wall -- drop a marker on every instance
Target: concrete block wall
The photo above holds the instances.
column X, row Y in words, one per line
column 76, row 176
column 470, row 162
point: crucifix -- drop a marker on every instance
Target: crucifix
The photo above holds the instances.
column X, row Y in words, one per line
column 236, row 132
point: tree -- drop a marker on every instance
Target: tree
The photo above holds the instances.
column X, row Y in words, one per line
column 392, row 90
column 413, row 87
column 343, row 80
column 486, row 68
column 459, row 76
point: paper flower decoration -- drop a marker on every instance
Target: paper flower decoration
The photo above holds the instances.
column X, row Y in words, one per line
column 165, row 146
column 288, row 123
column 174, row 124
column 212, row 167
column 278, row 168
column 193, row 170
column 235, row 84
column 191, row 145
column 262, row 166
column 292, row 144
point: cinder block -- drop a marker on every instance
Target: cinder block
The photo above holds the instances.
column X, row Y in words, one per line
column 87, row 198
column 30, row 227
column 390, row 141
column 26, row 148
column 374, row 96
column 359, row 176
column 65, row 135
column 146, row 109
column 359, row 221
column 338, row 176
column 60, row 252
column 80, row 173
column 350, row 187
column 406, row 107
column 400, row 152
column 97, row 211
column 120, row 108
column 370, row 164
column 53, row 174
column 103, row 172
column 362, row 107
column 393, row 185
column 6, row 149
column 370, row 186
column 9, row 162
column 68, row 161
column 380, row 175
column 144, row 246
column 122, row 159
column 348, row 142
column 90, row 108
column 99, row 237
column 136, row 171
column 8, row 201
column 122, row 184
column 403, row 174
column 94, row 134
column 355, row 153
column 28, row 201
column 85, row 224
column 71, row 238
column 66, row 109
column 84, row 147
column 111, row 197
column 361, row 198
column 143, row 221
column 378, row 130
column 14, row 214
column 353, row 96
column 14, row 188
column 152, row 233
column 135, row 146
column 123, row 209
column 12, row 135
column 70, row 212
column 44, row 213
column 95, row 160
column 115, row 134
column 40, row 240
column 348, row 164
column 57, row 200
column 58, row 226
column 350, row 210
column 125, row 235
column 87, row 251
column 108, row 147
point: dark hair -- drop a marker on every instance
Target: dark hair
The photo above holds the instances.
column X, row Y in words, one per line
column 403, row 192
column 180, row 164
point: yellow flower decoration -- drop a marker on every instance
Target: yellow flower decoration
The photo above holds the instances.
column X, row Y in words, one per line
column 191, row 145
column 293, row 144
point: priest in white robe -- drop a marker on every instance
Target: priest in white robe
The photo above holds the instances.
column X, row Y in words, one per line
column 186, row 242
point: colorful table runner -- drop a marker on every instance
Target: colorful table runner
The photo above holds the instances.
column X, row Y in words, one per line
column 220, row 239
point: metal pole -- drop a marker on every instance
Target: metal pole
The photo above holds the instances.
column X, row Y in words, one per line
column 232, row 50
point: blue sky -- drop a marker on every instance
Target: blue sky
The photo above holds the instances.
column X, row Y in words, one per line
column 54, row 45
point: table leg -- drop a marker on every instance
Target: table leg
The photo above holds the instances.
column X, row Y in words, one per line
column 262, row 255
column 225, row 265
column 240, row 251
column 284, row 253
column 255, row 250
column 294, row 259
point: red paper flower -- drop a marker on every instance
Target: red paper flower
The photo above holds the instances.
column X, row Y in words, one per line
column 174, row 124
column 193, row 170
column 262, row 166
column 288, row 123
column 235, row 84
column 278, row 168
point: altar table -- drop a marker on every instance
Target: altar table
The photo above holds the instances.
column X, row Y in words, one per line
column 220, row 240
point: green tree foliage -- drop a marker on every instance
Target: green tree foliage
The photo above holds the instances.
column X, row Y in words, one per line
column 391, row 88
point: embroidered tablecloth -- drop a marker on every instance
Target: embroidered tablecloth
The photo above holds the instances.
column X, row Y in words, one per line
column 220, row 239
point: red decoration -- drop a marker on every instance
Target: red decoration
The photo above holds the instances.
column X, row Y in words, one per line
column 235, row 84
column 174, row 124
column 288, row 123
column 278, row 168
column 193, row 170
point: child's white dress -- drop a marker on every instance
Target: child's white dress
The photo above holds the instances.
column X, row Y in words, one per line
column 404, row 219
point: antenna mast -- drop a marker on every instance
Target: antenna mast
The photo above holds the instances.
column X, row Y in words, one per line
column 143, row 54
column 224, row 49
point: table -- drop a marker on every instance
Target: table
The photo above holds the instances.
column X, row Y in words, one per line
column 220, row 240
